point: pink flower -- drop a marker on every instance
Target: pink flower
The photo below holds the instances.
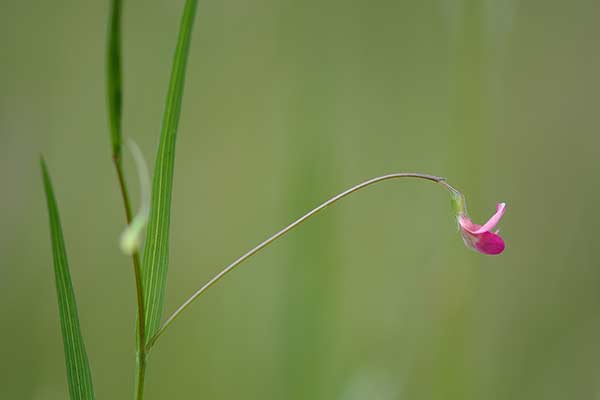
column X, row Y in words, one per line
column 479, row 237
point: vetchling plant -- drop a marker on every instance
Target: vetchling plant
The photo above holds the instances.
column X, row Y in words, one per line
column 150, row 271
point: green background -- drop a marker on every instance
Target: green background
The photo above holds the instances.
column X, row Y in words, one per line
column 286, row 104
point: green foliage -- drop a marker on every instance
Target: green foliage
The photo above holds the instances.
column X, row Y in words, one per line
column 78, row 368
column 156, row 248
column 113, row 69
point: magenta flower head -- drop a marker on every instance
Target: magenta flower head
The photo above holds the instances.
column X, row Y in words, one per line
column 479, row 237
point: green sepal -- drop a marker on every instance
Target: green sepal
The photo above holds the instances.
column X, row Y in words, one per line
column 459, row 203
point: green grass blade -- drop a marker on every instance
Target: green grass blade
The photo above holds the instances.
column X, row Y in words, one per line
column 156, row 248
column 114, row 80
column 78, row 368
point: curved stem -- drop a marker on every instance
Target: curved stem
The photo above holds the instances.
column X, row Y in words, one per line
column 282, row 232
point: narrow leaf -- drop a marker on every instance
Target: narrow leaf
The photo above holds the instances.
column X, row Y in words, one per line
column 78, row 369
column 113, row 71
column 156, row 248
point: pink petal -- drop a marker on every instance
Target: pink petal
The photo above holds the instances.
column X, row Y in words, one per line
column 489, row 243
column 492, row 222
column 467, row 225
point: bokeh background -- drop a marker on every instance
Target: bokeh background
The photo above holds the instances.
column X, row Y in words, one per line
column 287, row 103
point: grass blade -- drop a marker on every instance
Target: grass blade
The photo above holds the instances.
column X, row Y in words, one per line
column 114, row 82
column 156, row 248
column 78, row 368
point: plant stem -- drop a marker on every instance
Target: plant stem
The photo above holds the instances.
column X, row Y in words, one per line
column 114, row 96
column 281, row 233
column 137, row 270
column 140, row 378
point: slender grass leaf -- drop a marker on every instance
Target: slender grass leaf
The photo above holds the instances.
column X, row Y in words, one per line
column 114, row 80
column 78, row 368
column 156, row 248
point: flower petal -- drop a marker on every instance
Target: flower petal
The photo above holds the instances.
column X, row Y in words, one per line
column 489, row 243
column 467, row 225
column 492, row 222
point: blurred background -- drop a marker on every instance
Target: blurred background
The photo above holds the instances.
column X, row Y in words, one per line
column 288, row 103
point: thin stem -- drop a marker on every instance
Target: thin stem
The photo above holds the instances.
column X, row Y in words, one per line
column 137, row 271
column 140, row 378
column 114, row 97
column 281, row 233
column 123, row 187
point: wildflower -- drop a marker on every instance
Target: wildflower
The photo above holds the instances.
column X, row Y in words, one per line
column 480, row 237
